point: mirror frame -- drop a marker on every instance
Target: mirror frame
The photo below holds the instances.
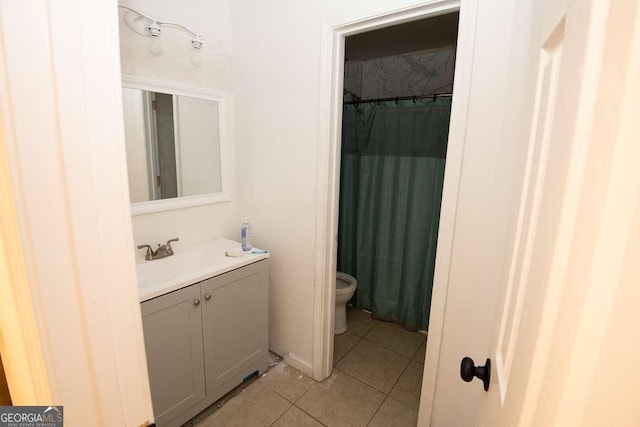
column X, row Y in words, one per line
column 139, row 208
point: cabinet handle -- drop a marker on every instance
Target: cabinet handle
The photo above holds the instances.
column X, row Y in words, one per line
column 207, row 297
column 196, row 302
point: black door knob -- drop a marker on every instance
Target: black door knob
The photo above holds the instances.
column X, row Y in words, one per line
column 468, row 370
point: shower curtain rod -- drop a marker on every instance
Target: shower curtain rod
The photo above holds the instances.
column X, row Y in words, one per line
column 400, row 98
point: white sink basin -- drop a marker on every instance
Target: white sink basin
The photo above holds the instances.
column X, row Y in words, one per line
column 188, row 266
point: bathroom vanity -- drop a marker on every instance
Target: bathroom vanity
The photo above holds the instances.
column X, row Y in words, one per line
column 205, row 320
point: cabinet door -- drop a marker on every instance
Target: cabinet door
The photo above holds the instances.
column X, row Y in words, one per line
column 235, row 323
column 173, row 340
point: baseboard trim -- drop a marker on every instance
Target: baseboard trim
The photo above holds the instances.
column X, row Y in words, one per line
column 296, row 362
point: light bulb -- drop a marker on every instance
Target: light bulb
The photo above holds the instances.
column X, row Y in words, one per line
column 156, row 44
column 196, row 51
column 196, row 57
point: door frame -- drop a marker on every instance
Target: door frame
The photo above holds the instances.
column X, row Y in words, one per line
column 328, row 174
column 69, row 311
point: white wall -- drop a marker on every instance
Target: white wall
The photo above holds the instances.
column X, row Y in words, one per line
column 276, row 70
column 212, row 19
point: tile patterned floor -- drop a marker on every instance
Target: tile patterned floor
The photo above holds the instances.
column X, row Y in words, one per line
column 376, row 382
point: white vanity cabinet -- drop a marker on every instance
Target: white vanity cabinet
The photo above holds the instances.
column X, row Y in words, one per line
column 204, row 339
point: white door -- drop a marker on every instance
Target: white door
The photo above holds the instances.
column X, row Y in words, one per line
column 564, row 341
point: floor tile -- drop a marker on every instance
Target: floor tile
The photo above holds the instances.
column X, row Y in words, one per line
column 342, row 344
column 409, row 386
column 359, row 322
column 373, row 364
column 419, row 357
column 295, row 417
column 287, row 381
column 394, row 413
column 258, row 405
column 396, row 338
column 341, row 400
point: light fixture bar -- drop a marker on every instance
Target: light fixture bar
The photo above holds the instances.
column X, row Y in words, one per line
column 193, row 34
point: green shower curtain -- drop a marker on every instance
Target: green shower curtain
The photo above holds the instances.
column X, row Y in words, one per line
column 392, row 170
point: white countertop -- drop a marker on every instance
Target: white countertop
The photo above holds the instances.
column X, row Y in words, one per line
column 188, row 266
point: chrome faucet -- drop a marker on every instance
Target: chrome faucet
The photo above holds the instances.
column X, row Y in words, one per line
column 160, row 252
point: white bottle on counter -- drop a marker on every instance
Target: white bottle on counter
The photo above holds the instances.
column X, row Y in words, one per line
column 245, row 235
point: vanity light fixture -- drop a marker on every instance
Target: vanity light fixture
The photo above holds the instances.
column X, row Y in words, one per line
column 146, row 26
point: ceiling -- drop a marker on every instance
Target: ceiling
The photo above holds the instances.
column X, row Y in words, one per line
column 417, row 36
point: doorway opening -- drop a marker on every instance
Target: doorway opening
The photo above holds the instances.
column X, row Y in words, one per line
column 397, row 91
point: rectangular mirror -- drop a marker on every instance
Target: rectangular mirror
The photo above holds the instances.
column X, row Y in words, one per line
column 174, row 144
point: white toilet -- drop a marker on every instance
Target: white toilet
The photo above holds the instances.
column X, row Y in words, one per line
column 345, row 287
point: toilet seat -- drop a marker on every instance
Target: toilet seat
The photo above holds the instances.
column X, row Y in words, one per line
column 345, row 283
